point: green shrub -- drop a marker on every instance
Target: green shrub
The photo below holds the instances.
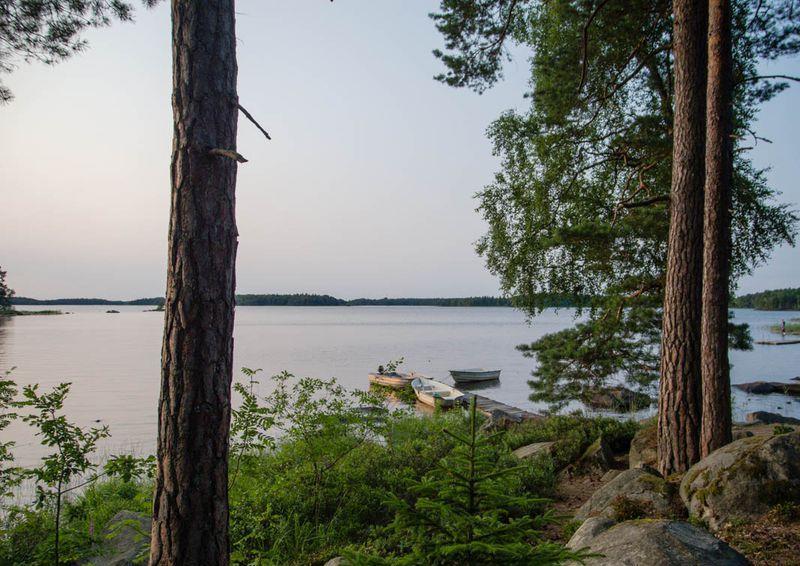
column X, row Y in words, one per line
column 27, row 535
column 573, row 434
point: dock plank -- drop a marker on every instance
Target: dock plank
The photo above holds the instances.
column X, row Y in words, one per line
column 498, row 410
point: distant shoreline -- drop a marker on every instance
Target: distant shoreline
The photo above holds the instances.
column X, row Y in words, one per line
column 784, row 299
column 311, row 300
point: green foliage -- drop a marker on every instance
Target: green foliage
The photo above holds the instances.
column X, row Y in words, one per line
column 391, row 366
column 55, row 477
column 72, row 444
column 128, row 467
column 782, row 429
column 5, row 292
column 295, row 300
column 580, row 204
column 773, row 300
column 573, row 434
column 27, row 536
column 404, row 394
column 576, row 362
column 296, row 493
column 9, row 475
column 50, row 30
column 325, row 489
column 468, row 510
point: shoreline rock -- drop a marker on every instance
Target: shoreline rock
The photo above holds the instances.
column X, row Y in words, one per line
column 649, row 542
column 743, row 479
column 767, row 387
column 765, row 417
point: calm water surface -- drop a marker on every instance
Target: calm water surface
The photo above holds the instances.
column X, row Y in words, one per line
column 113, row 360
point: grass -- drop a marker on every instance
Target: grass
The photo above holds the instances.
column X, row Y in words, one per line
column 13, row 312
column 772, row 539
column 792, row 327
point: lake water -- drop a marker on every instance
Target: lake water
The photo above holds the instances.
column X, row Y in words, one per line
column 113, row 360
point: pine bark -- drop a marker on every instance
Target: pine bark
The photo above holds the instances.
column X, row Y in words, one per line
column 190, row 516
column 680, row 404
column 716, row 430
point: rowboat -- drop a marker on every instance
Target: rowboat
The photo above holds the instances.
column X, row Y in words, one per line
column 475, row 374
column 435, row 393
column 391, row 379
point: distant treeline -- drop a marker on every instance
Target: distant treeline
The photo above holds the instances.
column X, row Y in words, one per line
column 774, row 300
column 29, row 301
column 309, row 300
column 295, row 300
column 432, row 302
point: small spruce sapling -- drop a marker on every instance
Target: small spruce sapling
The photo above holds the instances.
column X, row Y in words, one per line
column 468, row 512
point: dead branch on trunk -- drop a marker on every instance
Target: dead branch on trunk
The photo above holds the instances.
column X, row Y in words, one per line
column 253, row 120
column 229, row 153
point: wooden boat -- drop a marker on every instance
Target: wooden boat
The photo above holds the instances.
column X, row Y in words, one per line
column 393, row 379
column 475, row 374
column 434, row 393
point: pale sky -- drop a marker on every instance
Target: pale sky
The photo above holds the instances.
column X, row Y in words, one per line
column 366, row 189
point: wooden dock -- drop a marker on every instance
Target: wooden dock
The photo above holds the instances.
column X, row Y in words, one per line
column 496, row 410
column 778, row 342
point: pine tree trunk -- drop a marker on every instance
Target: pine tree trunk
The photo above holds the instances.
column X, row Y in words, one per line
column 679, row 410
column 190, row 516
column 716, row 431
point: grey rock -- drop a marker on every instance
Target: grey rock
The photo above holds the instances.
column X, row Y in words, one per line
column 619, row 399
column 649, row 543
column 765, row 387
column 743, row 479
column 770, row 418
column 338, row 561
column 588, row 530
column 597, row 459
column 127, row 539
column 739, row 434
column 533, row 450
column 610, row 475
column 643, row 450
column 648, row 490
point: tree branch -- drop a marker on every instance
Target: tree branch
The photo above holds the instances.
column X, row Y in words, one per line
column 229, row 153
column 585, row 46
column 253, row 120
column 764, row 77
column 646, row 202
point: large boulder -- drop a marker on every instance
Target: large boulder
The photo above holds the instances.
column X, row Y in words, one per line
column 643, row 450
column 743, row 479
column 634, row 493
column 766, row 387
column 770, row 418
column 534, row 450
column 127, row 539
column 652, row 542
column 620, row 399
column 597, row 459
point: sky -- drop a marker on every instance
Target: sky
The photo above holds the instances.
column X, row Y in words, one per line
column 366, row 189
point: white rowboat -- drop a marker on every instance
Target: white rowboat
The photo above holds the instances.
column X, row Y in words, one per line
column 472, row 375
column 393, row 380
column 435, row 393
